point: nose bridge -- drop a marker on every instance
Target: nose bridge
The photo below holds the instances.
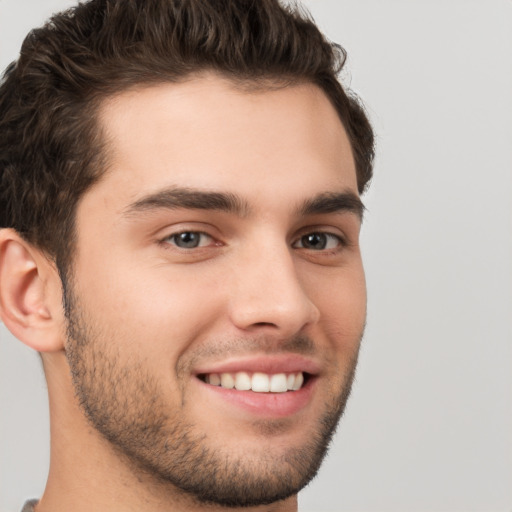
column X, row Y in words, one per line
column 269, row 293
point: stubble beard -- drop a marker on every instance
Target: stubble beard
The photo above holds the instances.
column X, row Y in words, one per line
column 124, row 404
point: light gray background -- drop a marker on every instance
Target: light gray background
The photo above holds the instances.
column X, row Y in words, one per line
column 429, row 424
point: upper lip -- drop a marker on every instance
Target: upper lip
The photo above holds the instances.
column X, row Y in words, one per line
column 289, row 363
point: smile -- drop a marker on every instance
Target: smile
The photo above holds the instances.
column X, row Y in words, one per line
column 265, row 386
column 257, row 382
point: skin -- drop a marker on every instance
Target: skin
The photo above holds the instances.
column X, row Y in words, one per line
column 147, row 315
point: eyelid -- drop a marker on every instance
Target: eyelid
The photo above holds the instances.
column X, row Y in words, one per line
column 324, row 230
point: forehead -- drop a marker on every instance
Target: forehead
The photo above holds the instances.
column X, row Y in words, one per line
column 207, row 133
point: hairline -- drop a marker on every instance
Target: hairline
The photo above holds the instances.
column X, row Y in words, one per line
column 96, row 103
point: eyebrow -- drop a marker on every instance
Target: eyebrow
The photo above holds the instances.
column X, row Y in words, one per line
column 333, row 202
column 186, row 198
column 175, row 198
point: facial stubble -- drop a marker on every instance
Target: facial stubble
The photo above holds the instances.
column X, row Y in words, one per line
column 123, row 402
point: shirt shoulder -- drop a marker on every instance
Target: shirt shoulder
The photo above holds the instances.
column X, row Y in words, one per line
column 29, row 506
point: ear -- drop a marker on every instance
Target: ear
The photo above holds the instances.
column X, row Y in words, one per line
column 30, row 294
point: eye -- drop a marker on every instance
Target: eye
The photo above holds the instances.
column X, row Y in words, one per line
column 318, row 242
column 189, row 239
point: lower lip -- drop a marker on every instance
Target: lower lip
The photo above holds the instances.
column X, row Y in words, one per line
column 275, row 405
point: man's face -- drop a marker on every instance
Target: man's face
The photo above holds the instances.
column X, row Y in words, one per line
column 221, row 245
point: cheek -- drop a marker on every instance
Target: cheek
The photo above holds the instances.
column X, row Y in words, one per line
column 157, row 311
column 343, row 321
column 343, row 308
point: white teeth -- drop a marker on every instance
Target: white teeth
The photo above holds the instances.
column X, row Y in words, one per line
column 258, row 382
column 299, row 380
column 278, row 383
column 227, row 381
column 242, row 381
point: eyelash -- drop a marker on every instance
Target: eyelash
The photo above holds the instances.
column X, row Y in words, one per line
column 327, row 237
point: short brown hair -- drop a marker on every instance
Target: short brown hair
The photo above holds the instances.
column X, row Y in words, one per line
column 50, row 146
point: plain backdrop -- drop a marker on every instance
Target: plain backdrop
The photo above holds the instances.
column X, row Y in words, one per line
column 429, row 423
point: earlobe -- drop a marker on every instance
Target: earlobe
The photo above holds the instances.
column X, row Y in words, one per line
column 29, row 306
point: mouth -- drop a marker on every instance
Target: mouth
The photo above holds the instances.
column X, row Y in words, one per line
column 257, row 382
column 264, row 387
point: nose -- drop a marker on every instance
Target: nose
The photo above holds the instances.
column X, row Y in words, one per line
column 267, row 294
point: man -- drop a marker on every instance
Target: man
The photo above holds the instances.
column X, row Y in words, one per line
column 180, row 185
